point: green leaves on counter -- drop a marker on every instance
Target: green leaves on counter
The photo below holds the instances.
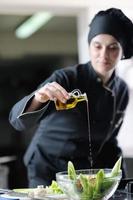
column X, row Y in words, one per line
column 54, row 188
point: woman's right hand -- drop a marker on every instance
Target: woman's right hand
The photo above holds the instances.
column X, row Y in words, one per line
column 51, row 91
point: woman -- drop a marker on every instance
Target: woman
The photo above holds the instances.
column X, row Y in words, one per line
column 86, row 134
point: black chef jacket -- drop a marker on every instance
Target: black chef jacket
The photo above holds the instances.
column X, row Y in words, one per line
column 64, row 135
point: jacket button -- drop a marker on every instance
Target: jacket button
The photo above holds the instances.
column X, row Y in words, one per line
column 117, row 125
column 99, row 80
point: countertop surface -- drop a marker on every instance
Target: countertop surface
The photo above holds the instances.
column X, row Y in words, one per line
column 119, row 195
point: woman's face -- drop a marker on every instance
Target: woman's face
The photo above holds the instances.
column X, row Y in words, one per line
column 105, row 52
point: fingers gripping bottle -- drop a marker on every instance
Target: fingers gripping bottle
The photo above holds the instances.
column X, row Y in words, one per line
column 75, row 97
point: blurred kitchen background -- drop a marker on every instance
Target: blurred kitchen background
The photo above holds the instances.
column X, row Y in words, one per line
column 25, row 61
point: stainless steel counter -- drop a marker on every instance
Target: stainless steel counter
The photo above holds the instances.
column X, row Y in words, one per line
column 122, row 195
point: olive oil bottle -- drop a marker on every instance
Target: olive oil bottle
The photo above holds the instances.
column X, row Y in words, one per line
column 75, row 97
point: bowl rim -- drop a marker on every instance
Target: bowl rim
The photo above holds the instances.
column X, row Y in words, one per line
column 108, row 170
column 85, row 170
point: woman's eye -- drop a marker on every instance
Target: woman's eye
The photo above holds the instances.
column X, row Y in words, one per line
column 113, row 47
column 97, row 46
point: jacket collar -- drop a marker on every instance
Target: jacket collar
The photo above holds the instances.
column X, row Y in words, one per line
column 95, row 77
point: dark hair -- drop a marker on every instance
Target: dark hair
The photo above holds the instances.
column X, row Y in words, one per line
column 114, row 22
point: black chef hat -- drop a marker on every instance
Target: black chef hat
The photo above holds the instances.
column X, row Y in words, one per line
column 114, row 22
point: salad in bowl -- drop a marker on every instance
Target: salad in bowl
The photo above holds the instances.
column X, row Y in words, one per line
column 89, row 184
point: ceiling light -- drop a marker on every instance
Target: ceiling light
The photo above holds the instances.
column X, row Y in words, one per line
column 31, row 25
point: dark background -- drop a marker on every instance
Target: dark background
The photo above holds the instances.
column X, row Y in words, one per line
column 18, row 78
